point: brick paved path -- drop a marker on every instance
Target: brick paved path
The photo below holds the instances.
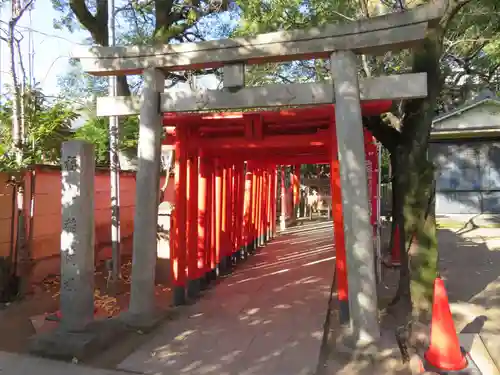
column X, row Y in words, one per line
column 267, row 318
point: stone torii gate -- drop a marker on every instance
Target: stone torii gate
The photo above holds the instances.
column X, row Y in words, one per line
column 339, row 43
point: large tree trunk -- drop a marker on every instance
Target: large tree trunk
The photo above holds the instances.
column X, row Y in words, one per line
column 414, row 179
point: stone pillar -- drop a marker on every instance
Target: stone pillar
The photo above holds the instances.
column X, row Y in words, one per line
column 142, row 294
column 357, row 227
column 77, row 236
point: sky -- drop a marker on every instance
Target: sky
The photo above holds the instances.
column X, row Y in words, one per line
column 51, row 47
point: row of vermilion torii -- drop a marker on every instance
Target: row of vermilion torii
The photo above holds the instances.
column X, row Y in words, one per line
column 226, row 208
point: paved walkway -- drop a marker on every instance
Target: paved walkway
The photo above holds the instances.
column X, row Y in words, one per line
column 267, row 318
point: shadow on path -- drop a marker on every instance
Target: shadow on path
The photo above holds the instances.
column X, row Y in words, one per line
column 268, row 317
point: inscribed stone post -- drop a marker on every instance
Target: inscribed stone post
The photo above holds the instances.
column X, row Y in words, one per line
column 357, row 226
column 142, row 298
column 77, row 236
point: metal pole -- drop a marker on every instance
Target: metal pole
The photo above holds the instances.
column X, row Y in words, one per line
column 114, row 162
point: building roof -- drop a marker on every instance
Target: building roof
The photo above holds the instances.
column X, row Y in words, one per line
column 483, row 97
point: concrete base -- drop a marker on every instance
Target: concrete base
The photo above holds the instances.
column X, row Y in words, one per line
column 143, row 323
column 221, row 268
column 344, row 312
column 212, row 275
column 61, row 344
column 225, row 266
column 353, row 348
column 229, row 262
column 204, row 282
column 178, row 296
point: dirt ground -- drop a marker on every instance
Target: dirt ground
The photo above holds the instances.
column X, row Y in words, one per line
column 470, row 266
column 16, row 319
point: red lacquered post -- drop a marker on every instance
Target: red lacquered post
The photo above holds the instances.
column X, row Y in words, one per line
column 338, row 231
column 179, row 248
column 247, row 209
column 193, row 286
column 203, row 221
column 219, row 194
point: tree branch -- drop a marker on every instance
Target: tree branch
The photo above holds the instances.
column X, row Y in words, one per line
column 385, row 134
column 21, row 11
column 97, row 25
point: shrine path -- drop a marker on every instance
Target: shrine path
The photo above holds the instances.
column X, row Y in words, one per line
column 266, row 318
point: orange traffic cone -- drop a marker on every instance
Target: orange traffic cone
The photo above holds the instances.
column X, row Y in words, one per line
column 395, row 254
column 444, row 351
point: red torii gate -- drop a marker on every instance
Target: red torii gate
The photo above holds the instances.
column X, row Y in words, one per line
column 222, row 213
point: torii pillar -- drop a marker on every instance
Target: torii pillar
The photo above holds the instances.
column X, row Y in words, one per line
column 142, row 291
column 362, row 291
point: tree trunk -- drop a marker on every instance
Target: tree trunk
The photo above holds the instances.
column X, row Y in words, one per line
column 122, row 87
column 415, row 177
column 402, row 301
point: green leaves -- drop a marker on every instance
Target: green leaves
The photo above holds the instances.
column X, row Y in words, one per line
column 48, row 124
column 96, row 131
column 471, row 52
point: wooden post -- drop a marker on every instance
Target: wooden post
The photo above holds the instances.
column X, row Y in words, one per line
column 240, row 178
column 234, row 213
column 338, row 231
column 296, row 191
column 219, row 192
column 274, row 207
column 283, row 200
column 259, row 206
column 266, row 198
column 262, row 205
column 179, row 248
column 213, row 222
column 361, row 276
column 266, row 205
column 193, row 285
column 253, row 222
column 204, row 220
column 225, row 226
column 248, row 210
